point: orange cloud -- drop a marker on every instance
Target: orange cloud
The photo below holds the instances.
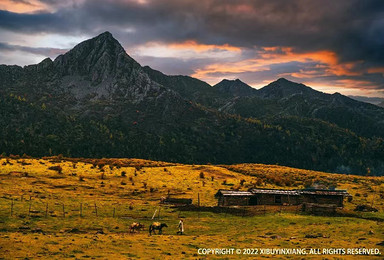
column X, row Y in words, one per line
column 198, row 47
column 328, row 63
column 346, row 87
column 22, row 6
column 325, row 57
column 376, row 70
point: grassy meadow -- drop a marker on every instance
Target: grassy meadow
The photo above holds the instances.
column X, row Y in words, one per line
column 55, row 208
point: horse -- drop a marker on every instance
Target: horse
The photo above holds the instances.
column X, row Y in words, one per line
column 136, row 226
column 156, row 226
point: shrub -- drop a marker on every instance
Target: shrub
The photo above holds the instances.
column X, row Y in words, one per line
column 124, row 174
column 201, row 175
column 56, row 168
column 308, row 183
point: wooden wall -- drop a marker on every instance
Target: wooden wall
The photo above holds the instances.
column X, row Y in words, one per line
column 323, row 199
column 270, row 199
column 233, row 201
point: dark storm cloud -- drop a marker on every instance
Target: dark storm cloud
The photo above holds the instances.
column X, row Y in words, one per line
column 172, row 66
column 32, row 23
column 352, row 29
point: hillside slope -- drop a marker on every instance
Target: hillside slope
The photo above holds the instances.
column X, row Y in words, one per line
column 82, row 208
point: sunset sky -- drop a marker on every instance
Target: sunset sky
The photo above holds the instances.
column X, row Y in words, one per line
column 332, row 46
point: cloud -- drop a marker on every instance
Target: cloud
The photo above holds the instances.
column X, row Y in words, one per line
column 18, row 54
column 40, row 51
column 318, row 39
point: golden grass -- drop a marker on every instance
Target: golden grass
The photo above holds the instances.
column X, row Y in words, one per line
column 84, row 183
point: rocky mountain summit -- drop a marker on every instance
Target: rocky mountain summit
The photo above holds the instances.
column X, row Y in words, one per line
column 236, row 88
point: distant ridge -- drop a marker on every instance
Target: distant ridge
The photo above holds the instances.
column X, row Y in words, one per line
column 370, row 100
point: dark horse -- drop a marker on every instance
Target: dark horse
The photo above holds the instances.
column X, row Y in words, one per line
column 136, row 227
column 156, row 226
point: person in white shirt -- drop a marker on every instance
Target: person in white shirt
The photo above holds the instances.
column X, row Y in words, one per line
column 181, row 227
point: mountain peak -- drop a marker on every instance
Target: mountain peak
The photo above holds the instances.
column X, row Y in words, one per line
column 235, row 87
column 283, row 80
column 282, row 88
column 105, row 34
column 107, row 38
column 100, row 57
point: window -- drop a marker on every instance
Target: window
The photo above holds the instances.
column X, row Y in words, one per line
column 252, row 201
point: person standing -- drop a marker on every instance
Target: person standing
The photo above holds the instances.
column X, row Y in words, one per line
column 181, row 227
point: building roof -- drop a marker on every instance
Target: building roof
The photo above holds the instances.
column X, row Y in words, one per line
column 275, row 192
column 255, row 191
column 233, row 193
column 324, row 192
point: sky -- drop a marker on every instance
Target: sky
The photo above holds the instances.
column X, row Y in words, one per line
column 332, row 46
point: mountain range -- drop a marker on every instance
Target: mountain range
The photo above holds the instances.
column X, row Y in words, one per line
column 371, row 100
column 96, row 101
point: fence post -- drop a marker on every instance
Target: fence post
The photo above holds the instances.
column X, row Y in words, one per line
column 12, row 207
column 198, row 204
column 30, row 205
column 154, row 214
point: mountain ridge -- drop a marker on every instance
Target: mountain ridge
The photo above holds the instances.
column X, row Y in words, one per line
column 96, row 101
column 236, row 88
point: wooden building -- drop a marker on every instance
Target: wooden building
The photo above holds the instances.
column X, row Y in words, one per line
column 323, row 196
column 281, row 197
column 275, row 197
column 233, row 198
